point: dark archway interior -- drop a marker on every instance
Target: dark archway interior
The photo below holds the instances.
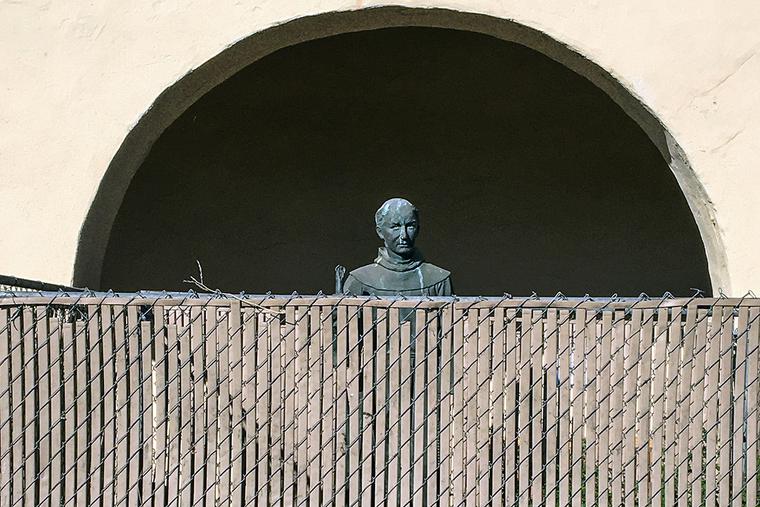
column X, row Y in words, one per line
column 528, row 177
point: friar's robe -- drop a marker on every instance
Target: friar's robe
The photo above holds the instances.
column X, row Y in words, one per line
column 388, row 277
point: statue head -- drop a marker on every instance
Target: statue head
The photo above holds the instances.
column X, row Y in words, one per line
column 397, row 224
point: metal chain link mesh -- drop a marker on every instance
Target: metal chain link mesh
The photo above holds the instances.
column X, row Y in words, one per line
column 188, row 399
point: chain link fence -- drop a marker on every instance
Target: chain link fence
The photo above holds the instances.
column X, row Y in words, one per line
column 187, row 399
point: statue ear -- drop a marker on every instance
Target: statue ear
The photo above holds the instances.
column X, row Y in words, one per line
column 379, row 234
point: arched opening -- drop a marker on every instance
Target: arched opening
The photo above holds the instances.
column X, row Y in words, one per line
column 529, row 176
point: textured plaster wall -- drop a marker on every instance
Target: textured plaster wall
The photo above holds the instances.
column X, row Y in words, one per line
column 76, row 77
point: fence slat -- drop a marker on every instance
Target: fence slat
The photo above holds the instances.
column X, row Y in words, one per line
column 524, row 418
column 394, row 404
column 29, row 407
column 223, row 463
column 264, row 357
column 94, row 378
column 552, row 407
column 249, row 395
column 405, row 434
column 288, row 442
column 5, row 409
column 368, row 415
column 697, row 392
column 482, row 422
column 159, row 399
column 56, row 421
column 577, row 380
column 341, row 412
column 146, row 415
column 497, row 404
column 237, row 443
column 381, row 405
column 591, row 404
column 563, row 380
column 135, row 411
column 711, row 404
column 447, row 392
column 43, row 406
column 69, row 414
column 753, row 341
column 617, row 376
column 724, row 400
column 672, row 395
column 121, row 440
column 537, row 405
column 684, row 402
column 644, row 388
column 173, row 416
column 327, row 430
column 354, row 406
column 186, row 434
column 432, row 392
column 631, row 363
column 300, row 458
column 458, row 406
column 197, row 346
column 659, row 381
column 605, row 392
column 82, row 413
column 418, row 404
column 275, row 451
column 314, row 406
column 738, row 459
column 471, row 405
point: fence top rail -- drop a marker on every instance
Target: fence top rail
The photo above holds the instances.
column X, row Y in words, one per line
column 219, row 299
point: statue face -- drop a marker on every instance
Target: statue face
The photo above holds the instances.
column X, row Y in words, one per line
column 399, row 229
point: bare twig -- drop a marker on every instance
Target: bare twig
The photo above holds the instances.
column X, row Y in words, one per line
column 201, row 285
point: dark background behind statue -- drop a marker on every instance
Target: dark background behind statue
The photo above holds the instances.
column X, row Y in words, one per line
column 528, row 177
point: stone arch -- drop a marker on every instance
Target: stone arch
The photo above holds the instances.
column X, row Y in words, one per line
column 94, row 235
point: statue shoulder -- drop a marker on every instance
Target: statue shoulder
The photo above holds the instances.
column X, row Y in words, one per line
column 364, row 275
column 434, row 274
column 364, row 271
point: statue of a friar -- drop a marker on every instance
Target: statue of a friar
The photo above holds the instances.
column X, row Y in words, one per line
column 399, row 268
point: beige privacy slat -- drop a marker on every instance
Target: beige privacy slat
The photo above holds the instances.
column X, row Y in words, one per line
column 576, row 414
column 631, row 351
column 314, row 406
column 536, row 403
column 236, row 443
column 5, row 406
column 672, row 396
column 418, row 406
column 523, row 403
column 591, row 404
column 738, row 457
column 753, row 342
column 432, row 408
column 697, row 391
column 405, row 420
column 483, row 422
column 605, row 380
column 470, row 406
column 497, row 404
column 223, row 462
column 326, row 403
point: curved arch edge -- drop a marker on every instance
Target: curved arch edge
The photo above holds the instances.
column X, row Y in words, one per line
column 175, row 99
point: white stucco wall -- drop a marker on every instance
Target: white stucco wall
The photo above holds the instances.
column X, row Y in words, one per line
column 77, row 76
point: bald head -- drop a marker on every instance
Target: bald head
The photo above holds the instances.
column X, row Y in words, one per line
column 394, row 206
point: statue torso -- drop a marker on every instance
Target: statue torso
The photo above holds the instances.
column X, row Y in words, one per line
column 421, row 279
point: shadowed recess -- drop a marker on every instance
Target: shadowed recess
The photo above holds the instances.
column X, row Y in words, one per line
column 528, row 177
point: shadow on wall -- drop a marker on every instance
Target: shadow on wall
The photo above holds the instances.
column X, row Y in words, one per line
column 528, row 177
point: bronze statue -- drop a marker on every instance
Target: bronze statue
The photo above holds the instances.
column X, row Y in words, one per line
column 399, row 268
